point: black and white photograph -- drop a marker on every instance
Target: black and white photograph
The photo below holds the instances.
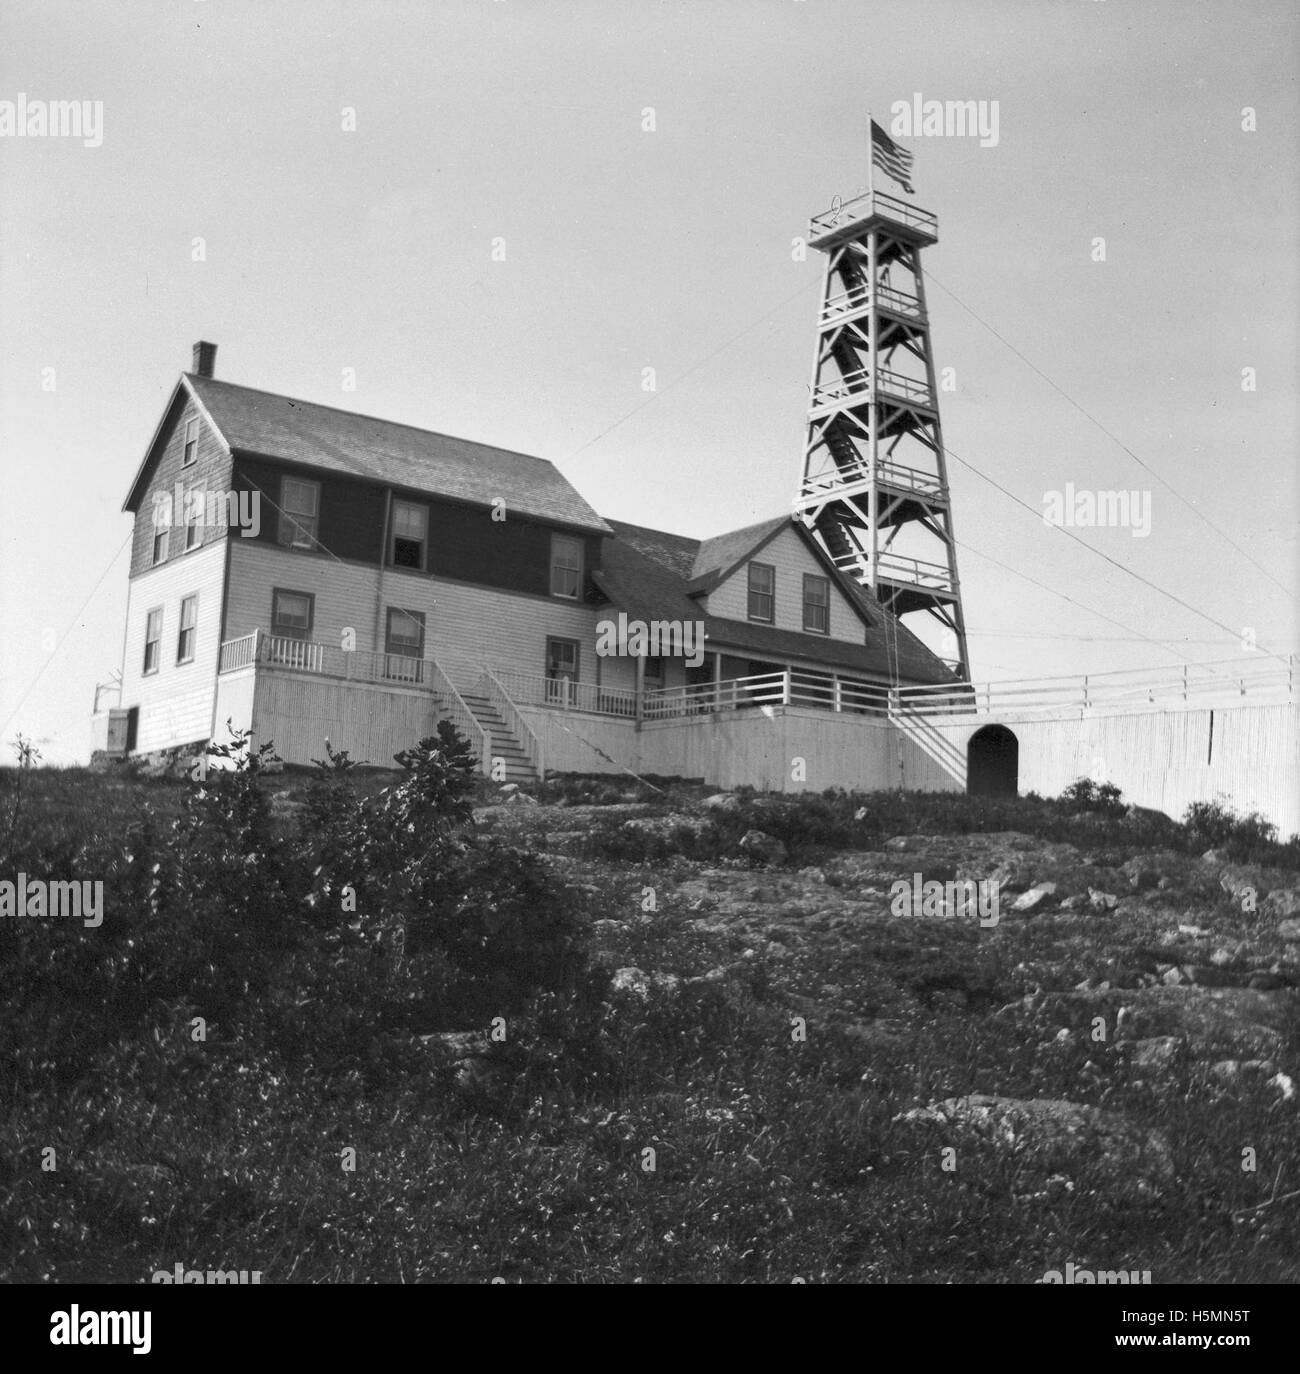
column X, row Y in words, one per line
column 649, row 642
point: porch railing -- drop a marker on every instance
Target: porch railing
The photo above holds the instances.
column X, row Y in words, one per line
column 566, row 695
column 787, row 688
column 381, row 669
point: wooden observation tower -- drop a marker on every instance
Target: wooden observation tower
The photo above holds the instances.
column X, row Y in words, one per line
column 875, row 481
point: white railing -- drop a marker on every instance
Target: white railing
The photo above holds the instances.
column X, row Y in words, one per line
column 490, row 686
column 1224, row 680
column 566, row 695
column 454, row 708
column 837, row 479
column 237, row 653
column 789, row 687
column 1269, row 678
column 873, row 203
column 921, row 572
column 857, row 384
column 381, row 669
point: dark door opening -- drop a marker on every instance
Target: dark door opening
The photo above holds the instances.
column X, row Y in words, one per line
column 992, row 762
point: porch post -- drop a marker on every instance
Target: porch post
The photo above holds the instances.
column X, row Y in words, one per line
column 838, row 690
column 640, row 689
column 785, row 688
column 717, row 681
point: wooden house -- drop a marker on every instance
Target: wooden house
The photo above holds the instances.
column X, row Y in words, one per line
column 310, row 573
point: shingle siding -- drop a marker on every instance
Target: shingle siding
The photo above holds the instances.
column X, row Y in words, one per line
column 464, row 542
column 211, row 471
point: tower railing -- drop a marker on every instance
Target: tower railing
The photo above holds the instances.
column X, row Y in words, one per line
column 857, row 385
column 846, row 303
column 862, row 207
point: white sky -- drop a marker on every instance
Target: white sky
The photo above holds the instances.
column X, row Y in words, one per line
column 627, row 250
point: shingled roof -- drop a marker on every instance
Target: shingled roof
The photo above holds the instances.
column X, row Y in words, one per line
column 271, row 426
column 653, row 575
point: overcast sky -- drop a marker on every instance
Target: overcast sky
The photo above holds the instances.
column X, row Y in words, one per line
column 670, row 249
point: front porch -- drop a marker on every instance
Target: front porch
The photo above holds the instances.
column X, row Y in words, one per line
column 299, row 692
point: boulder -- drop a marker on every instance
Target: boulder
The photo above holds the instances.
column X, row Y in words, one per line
column 762, row 847
column 1156, row 1052
column 1034, row 898
column 1284, row 903
column 1047, row 1136
column 1247, row 1022
column 640, row 983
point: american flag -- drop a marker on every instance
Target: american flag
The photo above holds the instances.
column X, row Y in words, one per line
column 890, row 158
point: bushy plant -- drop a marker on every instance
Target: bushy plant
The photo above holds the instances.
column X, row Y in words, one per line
column 1084, row 794
column 1216, row 824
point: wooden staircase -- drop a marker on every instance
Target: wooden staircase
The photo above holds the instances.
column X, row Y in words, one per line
column 504, row 743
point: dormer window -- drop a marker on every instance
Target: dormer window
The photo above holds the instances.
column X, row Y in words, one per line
column 566, row 566
column 410, row 532
column 762, row 592
column 299, row 512
column 191, row 454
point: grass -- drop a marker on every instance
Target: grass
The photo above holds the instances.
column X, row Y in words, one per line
column 773, row 1157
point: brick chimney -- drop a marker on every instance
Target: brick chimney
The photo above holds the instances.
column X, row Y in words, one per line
column 205, row 359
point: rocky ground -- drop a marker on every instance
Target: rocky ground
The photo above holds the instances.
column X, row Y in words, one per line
column 1165, row 974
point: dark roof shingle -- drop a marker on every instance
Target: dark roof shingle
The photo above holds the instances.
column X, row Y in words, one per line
column 259, row 422
column 650, row 575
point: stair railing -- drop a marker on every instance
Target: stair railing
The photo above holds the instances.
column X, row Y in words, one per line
column 528, row 742
column 454, row 707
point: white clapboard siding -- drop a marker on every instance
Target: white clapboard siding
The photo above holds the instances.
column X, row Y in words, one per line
column 465, row 625
column 790, row 557
column 175, row 702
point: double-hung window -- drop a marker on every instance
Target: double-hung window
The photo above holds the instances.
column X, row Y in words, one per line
column 186, row 635
column 762, row 592
column 299, row 512
column 410, row 534
column 152, row 640
column 816, row 604
column 566, row 566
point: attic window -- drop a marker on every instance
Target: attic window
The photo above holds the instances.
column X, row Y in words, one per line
column 566, row 566
column 191, row 453
column 816, row 604
column 299, row 512
column 410, row 528
column 762, row 592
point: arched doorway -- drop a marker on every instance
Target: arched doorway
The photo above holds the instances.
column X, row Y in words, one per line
column 992, row 762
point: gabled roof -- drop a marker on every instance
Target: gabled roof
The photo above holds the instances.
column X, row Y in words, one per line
column 720, row 556
column 270, row 426
column 653, row 575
